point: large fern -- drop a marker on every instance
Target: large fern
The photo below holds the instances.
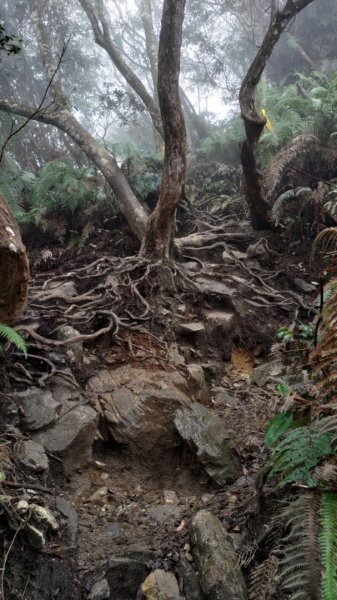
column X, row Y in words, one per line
column 9, row 334
column 328, row 545
column 300, row 564
column 299, row 452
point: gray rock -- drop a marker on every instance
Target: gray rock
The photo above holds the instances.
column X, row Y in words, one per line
column 191, row 327
column 197, row 383
column 189, row 578
column 222, row 397
column 161, row 585
column 74, row 349
column 32, row 455
column 126, row 574
column 64, row 392
column 220, row 576
column 209, row 285
column 68, row 511
column 221, row 327
column 305, row 287
column 71, row 438
column 139, row 406
column 39, row 407
column 100, row 590
column 163, row 512
column 205, row 433
column 271, row 371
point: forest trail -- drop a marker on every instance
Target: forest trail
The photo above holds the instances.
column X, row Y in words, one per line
column 125, row 510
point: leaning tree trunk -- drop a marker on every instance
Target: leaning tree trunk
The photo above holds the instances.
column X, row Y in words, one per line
column 159, row 235
column 14, row 268
column 253, row 122
column 59, row 116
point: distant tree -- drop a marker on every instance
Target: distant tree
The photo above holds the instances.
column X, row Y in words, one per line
column 253, row 121
column 57, row 112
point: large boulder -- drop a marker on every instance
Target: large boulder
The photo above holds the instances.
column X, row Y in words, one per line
column 205, row 434
column 219, row 574
column 139, row 406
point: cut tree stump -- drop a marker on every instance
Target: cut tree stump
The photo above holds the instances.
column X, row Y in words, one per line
column 14, row 268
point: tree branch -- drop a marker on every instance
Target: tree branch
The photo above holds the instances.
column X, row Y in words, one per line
column 33, row 112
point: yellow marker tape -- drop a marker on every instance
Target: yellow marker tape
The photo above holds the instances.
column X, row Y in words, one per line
column 268, row 123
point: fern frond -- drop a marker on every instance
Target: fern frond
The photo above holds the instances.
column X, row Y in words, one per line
column 328, row 545
column 12, row 336
column 325, row 242
column 264, row 580
column 296, row 455
column 293, row 154
column 300, row 565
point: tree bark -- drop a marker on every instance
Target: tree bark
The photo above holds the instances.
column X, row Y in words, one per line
column 159, row 235
column 14, row 268
column 103, row 38
column 253, row 122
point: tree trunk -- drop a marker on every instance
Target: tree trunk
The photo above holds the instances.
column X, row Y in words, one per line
column 159, row 235
column 14, row 268
column 103, row 38
column 253, row 122
column 126, row 200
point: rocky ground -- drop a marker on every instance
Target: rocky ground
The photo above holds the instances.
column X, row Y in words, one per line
column 137, row 421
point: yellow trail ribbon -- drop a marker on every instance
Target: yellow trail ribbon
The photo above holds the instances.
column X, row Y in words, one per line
column 268, row 123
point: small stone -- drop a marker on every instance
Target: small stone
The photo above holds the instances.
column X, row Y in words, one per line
column 188, row 556
column 39, row 407
column 98, row 495
column 192, row 327
column 197, row 383
column 71, row 438
column 161, row 585
column 267, row 372
column 170, row 497
column 206, row 498
column 74, row 349
column 305, row 287
column 163, row 513
column 100, row 590
column 32, row 455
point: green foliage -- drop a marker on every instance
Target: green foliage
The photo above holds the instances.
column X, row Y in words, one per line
column 328, row 545
column 299, row 452
column 300, row 566
column 277, row 428
column 285, row 334
column 222, row 145
column 307, row 106
column 58, row 198
column 9, row 334
column 279, row 210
